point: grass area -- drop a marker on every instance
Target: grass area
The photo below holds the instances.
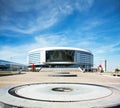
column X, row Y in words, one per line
column 107, row 72
column 5, row 73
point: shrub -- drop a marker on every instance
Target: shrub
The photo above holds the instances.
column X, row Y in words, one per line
column 116, row 70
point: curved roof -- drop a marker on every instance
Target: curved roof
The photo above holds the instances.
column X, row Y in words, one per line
column 60, row 48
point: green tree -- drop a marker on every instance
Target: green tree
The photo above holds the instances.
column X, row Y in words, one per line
column 116, row 70
column 102, row 70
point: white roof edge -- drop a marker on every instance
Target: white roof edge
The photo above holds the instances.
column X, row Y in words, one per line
column 57, row 48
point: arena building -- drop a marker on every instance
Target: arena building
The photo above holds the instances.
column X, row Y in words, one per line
column 60, row 57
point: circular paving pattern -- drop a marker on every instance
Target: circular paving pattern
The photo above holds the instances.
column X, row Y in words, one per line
column 62, row 89
column 62, row 75
column 57, row 95
column 49, row 92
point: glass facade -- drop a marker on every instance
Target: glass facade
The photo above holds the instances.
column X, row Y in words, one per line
column 11, row 66
column 34, row 58
column 84, row 59
column 62, row 58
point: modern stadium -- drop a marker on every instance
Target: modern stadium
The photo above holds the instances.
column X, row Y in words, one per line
column 60, row 57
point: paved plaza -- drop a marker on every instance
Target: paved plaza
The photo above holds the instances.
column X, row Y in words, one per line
column 45, row 90
column 39, row 77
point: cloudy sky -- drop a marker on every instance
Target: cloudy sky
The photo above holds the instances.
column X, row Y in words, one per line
column 88, row 24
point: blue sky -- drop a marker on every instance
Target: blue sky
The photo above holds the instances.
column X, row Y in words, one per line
column 88, row 24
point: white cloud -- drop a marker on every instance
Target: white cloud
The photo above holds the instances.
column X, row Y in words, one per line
column 16, row 54
column 83, row 5
column 111, row 48
column 37, row 15
column 91, row 24
column 108, row 52
column 51, row 40
column 19, row 53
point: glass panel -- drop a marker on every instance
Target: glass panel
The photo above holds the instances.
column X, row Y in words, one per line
column 60, row 56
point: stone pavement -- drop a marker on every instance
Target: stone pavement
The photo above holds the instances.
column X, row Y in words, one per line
column 39, row 77
column 69, row 91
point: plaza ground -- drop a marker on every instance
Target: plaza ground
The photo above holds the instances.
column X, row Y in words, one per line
column 40, row 77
